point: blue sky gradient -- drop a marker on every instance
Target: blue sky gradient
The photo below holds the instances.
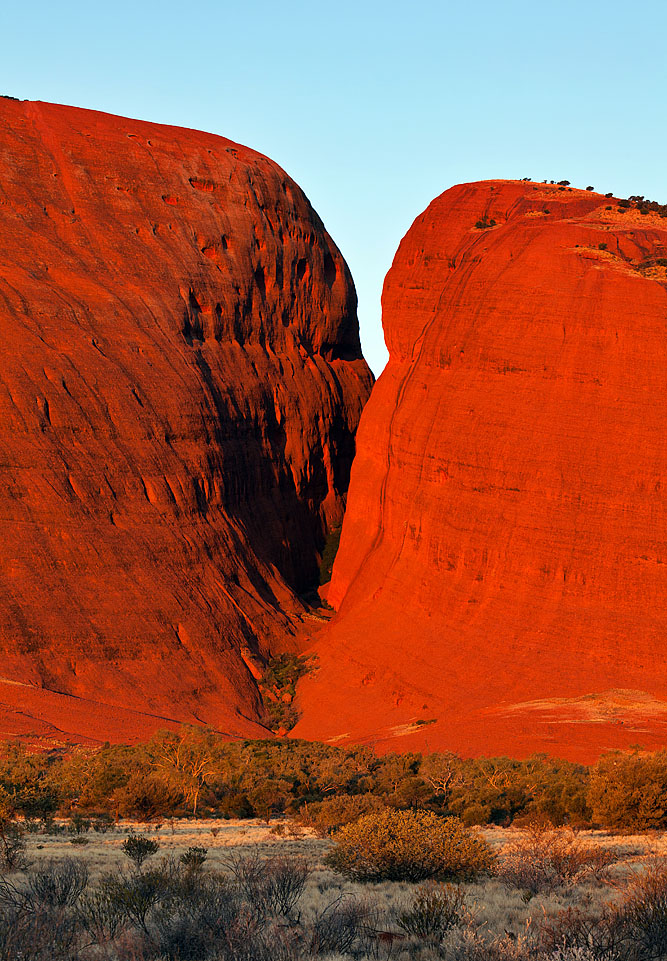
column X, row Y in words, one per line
column 373, row 107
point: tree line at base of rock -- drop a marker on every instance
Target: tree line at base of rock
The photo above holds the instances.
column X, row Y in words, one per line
column 195, row 772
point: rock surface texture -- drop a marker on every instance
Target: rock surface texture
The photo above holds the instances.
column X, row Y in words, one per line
column 502, row 574
column 180, row 384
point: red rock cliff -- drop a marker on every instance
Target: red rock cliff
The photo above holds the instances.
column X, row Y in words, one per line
column 180, row 384
column 503, row 563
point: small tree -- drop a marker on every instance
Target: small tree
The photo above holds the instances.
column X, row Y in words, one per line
column 186, row 759
column 629, row 790
column 442, row 772
column 194, row 858
column 139, row 849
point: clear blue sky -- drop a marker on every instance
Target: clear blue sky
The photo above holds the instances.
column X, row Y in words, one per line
column 373, row 107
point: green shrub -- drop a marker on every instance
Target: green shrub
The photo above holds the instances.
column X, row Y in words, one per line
column 139, row 849
column 236, row 806
column 79, row 824
column 194, row 858
column 629, row 790
column 332, row 813
column 476, row 814
column 435, row 909
column 278, row 690
column 395, row 845
column 331, row 546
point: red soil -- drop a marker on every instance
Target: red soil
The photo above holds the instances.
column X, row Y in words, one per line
column 180, row 383
column 503, row 564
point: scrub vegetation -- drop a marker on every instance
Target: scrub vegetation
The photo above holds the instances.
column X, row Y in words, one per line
column 213, row 890
column 191, row 847
column 193, row 771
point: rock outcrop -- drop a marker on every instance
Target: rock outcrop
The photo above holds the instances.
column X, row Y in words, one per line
column 502, row 574
column 180, row 384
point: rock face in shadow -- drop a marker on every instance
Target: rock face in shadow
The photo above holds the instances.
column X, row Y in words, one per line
column 502, row 575
column 180, row 384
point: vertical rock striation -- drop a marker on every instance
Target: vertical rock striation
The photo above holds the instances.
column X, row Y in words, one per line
column 502, row 574
column 180, row 385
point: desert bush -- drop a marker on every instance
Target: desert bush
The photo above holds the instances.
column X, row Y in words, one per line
column 641, row 917
column 329, row 552
column 202, row 914
column 435, row 908
column 235, row 806
column 159, row 778
column 79, row 824
column 341, row 926
column 629, row 790
column 37, row 920
column 545, row 858
column 575, row 933
column 408, row 846
column 250, row 877
column 476, row 814
column 134, row 896
column 471, row 944
column 332, row 813
column 269, row 885
column 27, row 935
column 139, row 849
column 581, row 953
column 287, row 878
column 248, row 778
column 632, row 929
column 58, row 884
column 12, row 846
column 100, row 913
column 102, row 823
column 145, row 796
column 194, row 858
column 278, row 689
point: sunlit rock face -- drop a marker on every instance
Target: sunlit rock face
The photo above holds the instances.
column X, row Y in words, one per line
column 502, row 573
column 180, row 386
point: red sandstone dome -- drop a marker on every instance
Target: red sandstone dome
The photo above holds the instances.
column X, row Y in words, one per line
column 180, row 385
column 502, row 574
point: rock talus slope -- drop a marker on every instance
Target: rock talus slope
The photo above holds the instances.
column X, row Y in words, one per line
column 502, row 574
column 180, row 384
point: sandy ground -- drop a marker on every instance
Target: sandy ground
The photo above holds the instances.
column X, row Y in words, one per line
column 493, row 904
column 218, row 836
